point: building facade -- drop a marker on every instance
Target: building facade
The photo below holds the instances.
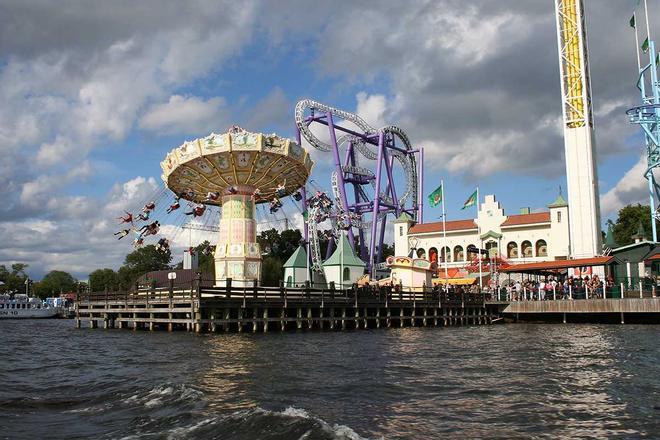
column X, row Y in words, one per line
column 518, row 238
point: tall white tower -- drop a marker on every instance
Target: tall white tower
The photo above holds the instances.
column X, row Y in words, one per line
column 583, row 203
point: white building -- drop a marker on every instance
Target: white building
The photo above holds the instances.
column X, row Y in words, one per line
column 518, row 238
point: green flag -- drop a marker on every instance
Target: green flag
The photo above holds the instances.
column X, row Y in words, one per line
column 471, row 201
column 435, row 197
column 657, row 59
column 305, row 215
column 645, row 45
column 632, row 21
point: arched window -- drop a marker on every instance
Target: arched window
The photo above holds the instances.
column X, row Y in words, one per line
column 471, row 255
column 289, row 281
column 347, row 274
column 421, row 253
column 433, row 255
column 526, row 249
column 512, row 250
column 541, row 248
column 445, row 254
column 459, row 255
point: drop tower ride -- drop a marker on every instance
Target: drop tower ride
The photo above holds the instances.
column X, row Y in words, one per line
column 579, row 141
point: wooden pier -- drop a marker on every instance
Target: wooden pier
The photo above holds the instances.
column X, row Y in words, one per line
column 263, row 309
column 610, row 310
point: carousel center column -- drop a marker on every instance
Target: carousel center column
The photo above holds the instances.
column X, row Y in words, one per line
column 237, row 254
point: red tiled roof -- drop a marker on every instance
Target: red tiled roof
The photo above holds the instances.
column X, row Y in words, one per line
column 655, row 257
column 527, row 219
column 454, row 225
column 542, row 266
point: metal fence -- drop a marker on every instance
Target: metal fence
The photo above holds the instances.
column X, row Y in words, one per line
column 613, row 289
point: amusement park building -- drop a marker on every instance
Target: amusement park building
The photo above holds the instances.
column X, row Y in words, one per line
column 519, row 238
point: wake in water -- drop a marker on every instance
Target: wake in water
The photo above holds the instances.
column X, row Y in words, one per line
column 177, row 411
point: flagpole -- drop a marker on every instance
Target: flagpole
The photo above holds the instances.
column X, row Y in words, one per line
column 481, row 286
column 648, row 29
column 639, row 61
column 444, row 230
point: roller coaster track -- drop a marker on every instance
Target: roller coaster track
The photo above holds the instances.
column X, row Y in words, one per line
column 397, row 146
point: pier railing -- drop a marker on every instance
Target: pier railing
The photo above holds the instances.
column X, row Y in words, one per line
column 623, row 288
column 362, row 295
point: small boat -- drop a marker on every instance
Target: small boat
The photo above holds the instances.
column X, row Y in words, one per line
column 22, row 306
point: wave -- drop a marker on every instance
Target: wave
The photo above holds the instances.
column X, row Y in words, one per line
column 291, row 423
column 164, row 394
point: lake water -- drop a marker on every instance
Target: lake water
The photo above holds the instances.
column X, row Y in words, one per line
column 507, row 381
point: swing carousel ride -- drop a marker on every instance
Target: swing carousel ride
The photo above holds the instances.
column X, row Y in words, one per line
column 223, row 179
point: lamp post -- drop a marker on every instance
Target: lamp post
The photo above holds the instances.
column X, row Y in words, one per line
column 171, row 276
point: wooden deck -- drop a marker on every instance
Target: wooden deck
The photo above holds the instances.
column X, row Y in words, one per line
column 601, row 310
column 266, row 309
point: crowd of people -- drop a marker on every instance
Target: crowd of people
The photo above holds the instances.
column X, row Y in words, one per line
column 550, row 288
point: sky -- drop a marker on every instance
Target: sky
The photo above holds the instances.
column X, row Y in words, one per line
column 94, row 94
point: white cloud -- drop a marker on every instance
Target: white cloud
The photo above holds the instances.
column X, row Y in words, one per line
column 186, row 114
column 632, row 188
column 372, row 108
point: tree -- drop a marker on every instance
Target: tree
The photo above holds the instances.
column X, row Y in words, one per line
column 628, row 222
column 141, row 261
column 279, row 245
column 101, row 279
column 15, row 279
column 54, row 283
column 271, row 271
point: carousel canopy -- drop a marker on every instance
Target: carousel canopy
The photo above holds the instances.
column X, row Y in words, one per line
column 236, row 158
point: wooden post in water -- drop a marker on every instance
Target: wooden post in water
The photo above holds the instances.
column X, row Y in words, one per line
column 265, row 319
column 227, row 315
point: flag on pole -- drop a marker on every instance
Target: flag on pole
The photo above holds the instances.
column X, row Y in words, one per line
column 645, row 45
column 471, row 201
column 305, row 215
column 632, row 21
column 435, row 197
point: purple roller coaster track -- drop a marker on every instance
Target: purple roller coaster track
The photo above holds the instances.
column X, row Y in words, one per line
column 364, row 198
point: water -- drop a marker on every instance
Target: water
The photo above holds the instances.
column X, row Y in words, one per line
column 509, row 381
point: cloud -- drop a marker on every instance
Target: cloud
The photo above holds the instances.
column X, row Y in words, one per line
column 186, row 115
column 372, row 108
column 274, row 110
column 482, row 109
column 632, row 188
column 78, row 237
